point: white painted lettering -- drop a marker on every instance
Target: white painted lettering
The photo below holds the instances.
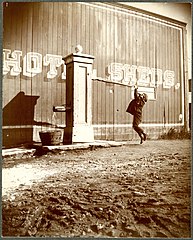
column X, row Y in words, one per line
column 143, row 76
column 32, row 64
column 130, row 74
column 155, row 77
column 116, row 72
column 13, row 61
column 54, row 61
column 168, row 79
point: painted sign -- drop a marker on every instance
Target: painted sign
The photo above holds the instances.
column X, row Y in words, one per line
column 33, row 63
column 143, row 76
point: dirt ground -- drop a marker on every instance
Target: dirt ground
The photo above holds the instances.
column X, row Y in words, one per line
column 127, row 191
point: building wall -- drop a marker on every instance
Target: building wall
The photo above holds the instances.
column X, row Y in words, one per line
column 128, row 45
column 178, row 11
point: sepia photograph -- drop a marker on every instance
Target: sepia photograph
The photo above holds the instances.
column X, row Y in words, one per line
column 96, row 119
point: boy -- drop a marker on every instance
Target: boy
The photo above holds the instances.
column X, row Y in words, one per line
column 140, row 100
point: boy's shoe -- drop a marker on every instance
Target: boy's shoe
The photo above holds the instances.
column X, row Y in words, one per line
column 145, row 136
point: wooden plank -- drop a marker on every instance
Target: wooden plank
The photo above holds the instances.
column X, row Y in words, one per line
column 119, row 110
column 171, row 67
column 112, row 28
column 178, row 70
column 54, row 81
column 7, row 44
column 155, row 33
column 131, row 39
column 50, row 50
column 38, row 46
column 46, row 42
column 83, row 27
column 103, row 108
column 36, row 81
column 18, row 102
column 94, row 102
column 99, row 105
column 127, row 43
column 64, row 51
column 123, row 36
column 74, row 26
column 128, row 116
column 78, row 21
column 91, row 31
column 161, row 45
column 99, row 50
column 60, row 83
column 24, row 47
column 64, row 21
column 93, row 38
column 109, row 107
column 26, row 82
column 87, row 29
column 105, row 43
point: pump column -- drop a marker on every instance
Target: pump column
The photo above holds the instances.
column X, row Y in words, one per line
column 78, row 98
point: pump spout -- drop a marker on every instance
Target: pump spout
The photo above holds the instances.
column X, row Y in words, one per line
column 62, row 108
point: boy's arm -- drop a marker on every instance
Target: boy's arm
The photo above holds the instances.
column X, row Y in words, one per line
column 135, row 93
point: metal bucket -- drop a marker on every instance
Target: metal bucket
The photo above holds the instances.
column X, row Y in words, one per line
column 49, row 138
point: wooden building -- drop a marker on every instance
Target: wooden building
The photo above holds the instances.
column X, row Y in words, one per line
column 130, row 46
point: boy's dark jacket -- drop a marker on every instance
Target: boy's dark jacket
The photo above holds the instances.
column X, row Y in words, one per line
column 131, row 107
column 136, row 105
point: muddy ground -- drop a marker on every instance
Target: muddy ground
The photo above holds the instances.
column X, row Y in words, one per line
column 127, row 191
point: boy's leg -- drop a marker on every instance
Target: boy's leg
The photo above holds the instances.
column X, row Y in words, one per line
column 144, row 136
column 136, row 122
column 139, row 131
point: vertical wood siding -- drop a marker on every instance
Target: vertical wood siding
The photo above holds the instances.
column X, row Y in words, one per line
column 112, row 35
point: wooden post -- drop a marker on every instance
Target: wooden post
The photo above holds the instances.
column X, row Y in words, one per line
column 78, row 98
